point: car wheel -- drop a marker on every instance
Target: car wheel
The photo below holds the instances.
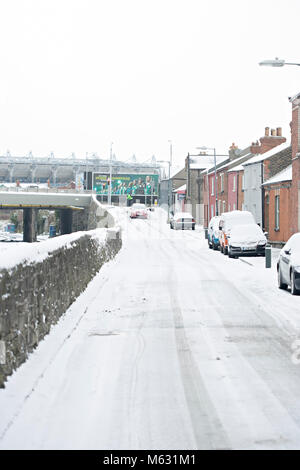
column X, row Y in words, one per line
column 221, row 248
column 225, row 250
column 215, row 247
column 230, row 254
column 281, row 284
column 294, row 290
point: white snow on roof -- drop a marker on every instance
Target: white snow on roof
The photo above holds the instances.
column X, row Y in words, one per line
column 236, row 168
column 260, row 157
column 182, row 188
column 284, row 175
column 203, row 162
column 236, row 161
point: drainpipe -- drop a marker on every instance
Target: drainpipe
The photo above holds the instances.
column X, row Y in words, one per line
column 237, row 190
column 262, row 198
column 189, row 181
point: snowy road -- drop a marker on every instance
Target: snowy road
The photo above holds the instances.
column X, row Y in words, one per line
column 172, row 346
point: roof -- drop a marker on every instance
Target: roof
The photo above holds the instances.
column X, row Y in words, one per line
column 182, row 188
column 292, row 98
column 236, row 168
column 203, row 162
column 261, row 157
column 175, row 170
column 284, row 175
column 236, row 161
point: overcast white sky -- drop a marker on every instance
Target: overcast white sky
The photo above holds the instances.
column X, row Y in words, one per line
column 78, row 74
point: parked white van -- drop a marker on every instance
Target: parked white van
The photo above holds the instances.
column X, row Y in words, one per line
column 229, row 220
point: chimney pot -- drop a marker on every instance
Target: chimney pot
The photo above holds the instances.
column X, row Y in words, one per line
column 279, row 131
column 267, row 131
column 273, row 132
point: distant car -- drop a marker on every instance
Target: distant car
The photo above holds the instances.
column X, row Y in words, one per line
column 288, row 265
column 247, row 239
column 182, row 221
column 227, row 221
column 138, row 211
column 213, row 233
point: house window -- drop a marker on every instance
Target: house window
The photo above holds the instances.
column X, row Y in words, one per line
column 234, row 183
column 277, row 211
column 222, row 181
column 224, row 206
column 228, row 207
column 212, row 210
column 212, row 187
column 234, row 206
column 219, row 204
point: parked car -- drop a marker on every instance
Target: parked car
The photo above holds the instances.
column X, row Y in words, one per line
column 182, row 221
column 213, row 233
column 288, row 265
column 227, row 221
column 138, row 211
column 248, row 239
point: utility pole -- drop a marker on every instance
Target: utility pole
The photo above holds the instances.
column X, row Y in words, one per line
column 110, row 175
column 216, row 182
column 170, row 185
column 86, row 171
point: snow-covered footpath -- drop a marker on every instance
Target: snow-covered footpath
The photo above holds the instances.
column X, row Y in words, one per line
column 171, row 346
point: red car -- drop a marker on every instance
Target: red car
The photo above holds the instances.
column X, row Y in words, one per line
column 138, row 211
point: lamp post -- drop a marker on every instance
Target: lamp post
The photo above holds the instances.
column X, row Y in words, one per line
column 169, row 186
column 277, row 63
column 215, row 179
column 110, row 175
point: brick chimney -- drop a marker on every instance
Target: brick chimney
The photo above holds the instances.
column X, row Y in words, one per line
column 267, row 142
column 233, row 151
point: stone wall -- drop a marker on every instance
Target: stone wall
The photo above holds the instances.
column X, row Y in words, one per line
column 95, row 216
column 34, row 296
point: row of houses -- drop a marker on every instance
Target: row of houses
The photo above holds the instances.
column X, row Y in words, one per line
column 263, row 178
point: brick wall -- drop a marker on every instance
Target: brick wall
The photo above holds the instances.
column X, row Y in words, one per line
column 295, row 124
column 240, row 190
column 283, row 190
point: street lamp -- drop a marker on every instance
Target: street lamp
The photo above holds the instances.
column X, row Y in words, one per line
column 215, row 182
column 110, row 175
column 276, row 63
column 171, row 151
column 169, row 186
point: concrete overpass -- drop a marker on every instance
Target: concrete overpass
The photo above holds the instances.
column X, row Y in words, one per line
column 67, row 204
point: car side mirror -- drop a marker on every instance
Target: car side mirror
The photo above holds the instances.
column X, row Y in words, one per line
column 220, row 228
column 287, row 251
column 266, row 234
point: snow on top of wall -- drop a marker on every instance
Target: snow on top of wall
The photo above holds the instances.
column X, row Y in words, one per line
column 284, row 175
column 13, row 254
